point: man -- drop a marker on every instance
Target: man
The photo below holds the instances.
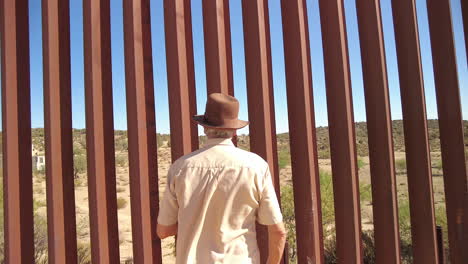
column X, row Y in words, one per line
column 214, row 196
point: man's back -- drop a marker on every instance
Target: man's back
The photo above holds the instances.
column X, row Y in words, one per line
column 216, row 194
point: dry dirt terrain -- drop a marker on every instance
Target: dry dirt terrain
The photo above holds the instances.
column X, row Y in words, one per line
column 123, row 192
column 164, row 159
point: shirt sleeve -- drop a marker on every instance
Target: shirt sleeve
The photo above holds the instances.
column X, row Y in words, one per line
column 269, row 212
column 169, row 207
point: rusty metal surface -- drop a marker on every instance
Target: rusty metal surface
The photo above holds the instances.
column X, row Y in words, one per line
column 218, row 54
column 100, row 132
column 142, row 149
column 305, row 172
column 180, row 77
column 341, row 129
column 218, row 51
column 450, row 126
column 379, row 127
column 260, row 96
column 61, row 219
column 16, row 126
column 415, row 130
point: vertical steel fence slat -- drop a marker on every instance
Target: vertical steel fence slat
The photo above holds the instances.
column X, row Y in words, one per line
column 464, row 7
column 260, row 95
column 16, row 126
column 379, row 127
column 341, row 129
column 142, row 149
column 415, row 130
column 180, row 77
column 61, row 219
column 302, row 132
column 100, row 132
column 218, row 55
column 450, row 126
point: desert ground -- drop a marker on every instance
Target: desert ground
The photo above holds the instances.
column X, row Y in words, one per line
column 123, row 192
column 164, row 161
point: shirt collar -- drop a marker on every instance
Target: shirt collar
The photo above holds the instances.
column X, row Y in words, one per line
column 218, row 141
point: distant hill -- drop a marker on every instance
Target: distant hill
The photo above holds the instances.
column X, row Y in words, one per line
column 121, row 142
column 362, row 141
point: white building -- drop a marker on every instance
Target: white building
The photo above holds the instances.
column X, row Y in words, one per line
column 38, row 162
column 38, row 159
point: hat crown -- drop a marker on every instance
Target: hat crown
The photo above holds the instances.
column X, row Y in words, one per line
column 221, row 112
column 221, row 108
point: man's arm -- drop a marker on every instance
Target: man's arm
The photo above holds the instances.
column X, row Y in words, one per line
column 166, row 231
column 276, row 240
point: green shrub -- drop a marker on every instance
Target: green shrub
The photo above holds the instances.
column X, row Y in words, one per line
column 400, row 165
column 365, row 192
column 404, row 220
column 284, row 158
column 287, row 204
column 361, row 163
column 328, row 212
column 79, row 165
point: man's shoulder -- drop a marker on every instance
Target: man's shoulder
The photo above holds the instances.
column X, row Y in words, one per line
column 250, row 157
column 232, row 156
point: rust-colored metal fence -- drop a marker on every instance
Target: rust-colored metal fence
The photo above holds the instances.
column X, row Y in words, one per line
column 16, row 118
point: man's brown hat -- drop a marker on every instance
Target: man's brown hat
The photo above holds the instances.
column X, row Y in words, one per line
column 221, row 112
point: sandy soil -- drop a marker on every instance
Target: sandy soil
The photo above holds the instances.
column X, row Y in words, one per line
column 124, row 215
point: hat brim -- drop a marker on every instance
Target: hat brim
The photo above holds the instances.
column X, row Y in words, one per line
column 200, row 119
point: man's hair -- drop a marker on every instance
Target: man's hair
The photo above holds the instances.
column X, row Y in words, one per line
column 219, row 133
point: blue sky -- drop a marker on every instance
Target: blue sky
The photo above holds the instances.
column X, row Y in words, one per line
column 159, row 62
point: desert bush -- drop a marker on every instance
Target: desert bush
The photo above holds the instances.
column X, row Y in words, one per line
column 128, row 261
column 400, row 165
column 368, row 249
column 365, row 193
column 79, row 165
column 438, row 165
column 361, row 163
column 84, row 253
column 287, row 204
column 78, row 149
column 39, row 172
column 121, row 160
column 328, row 212
column 284, row 157
column 121, row 203
column 121, row 143
column 40, row 239
column 81, row 182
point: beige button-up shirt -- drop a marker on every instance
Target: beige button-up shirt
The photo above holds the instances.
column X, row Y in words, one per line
column 216, row 194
